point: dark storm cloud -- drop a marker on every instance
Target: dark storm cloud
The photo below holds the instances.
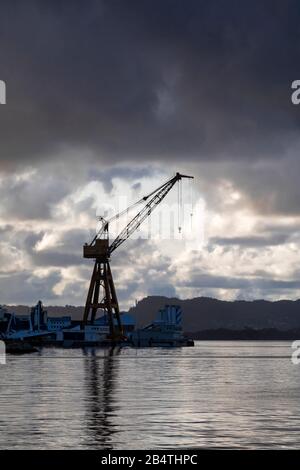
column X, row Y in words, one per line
column 140, row 79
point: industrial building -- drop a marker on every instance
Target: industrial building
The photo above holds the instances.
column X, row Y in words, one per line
column 58, row 323
column 166, row 330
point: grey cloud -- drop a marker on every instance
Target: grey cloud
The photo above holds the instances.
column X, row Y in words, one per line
column 25, row 288
column 136, row 187
column 68, row 251
column 127, row 173
column 6, row 229
column 279, row 229
column 164, row 288
column 268, row 186
column 31, row 198
column 272, row 187
column 56, row 258
column 75, row 291
column 127, row 293
column 223, row 282
column 254, row 241
column 152, row 275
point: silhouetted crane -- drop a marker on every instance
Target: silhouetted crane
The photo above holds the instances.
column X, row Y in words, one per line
column 102, row 292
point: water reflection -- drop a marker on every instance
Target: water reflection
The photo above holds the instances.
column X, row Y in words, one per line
column 218, row 394
column 101, row 373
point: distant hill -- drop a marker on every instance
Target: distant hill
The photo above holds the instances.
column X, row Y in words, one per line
column 202, row 313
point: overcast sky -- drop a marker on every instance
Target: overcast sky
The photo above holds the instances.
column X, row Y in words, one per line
column 106, row 100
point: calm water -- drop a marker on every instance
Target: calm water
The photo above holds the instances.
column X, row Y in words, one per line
column 217, row 394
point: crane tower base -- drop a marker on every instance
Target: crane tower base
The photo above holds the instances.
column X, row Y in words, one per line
column 102, row 296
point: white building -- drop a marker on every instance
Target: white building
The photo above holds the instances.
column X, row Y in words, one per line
column 95, row 332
